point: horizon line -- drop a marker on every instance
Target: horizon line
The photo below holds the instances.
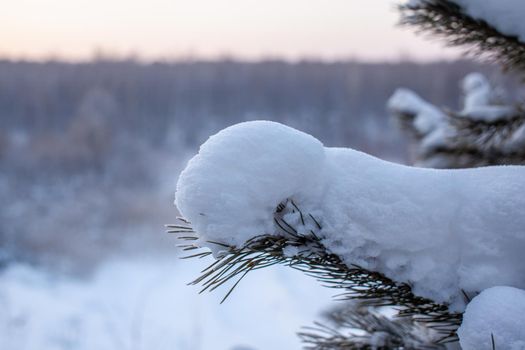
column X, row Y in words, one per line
column 132, row 57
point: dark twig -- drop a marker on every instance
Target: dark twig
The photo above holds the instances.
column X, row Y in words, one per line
column 356, row 326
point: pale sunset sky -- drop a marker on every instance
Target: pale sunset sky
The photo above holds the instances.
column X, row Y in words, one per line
column 248, row 29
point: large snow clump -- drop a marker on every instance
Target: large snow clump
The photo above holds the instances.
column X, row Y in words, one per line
column 230, row 189
column 442, row 231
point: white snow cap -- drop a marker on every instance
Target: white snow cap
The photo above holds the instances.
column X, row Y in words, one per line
column 230, row 190
column 474, row 81
column 497, row 311
column 489, row 114
column 442, row 231
column 480, row 100
column 477, row 91
column 427, row 116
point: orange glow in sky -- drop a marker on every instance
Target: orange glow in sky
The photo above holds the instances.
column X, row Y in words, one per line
column 250, row 29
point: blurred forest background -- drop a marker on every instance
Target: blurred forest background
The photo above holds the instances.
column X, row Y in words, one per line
column 108, row 137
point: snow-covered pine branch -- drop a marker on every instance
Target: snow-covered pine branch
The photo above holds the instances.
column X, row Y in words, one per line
column 485, row 132
column 493, row 29
column 432, row 230
column 297, row 244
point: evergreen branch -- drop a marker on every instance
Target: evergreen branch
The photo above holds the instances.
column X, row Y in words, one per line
column 405, row 121
column 467, row 141
column 489, row 138
column 314, row 259
column 358, row 327
column 446, row 19
column 471, row 143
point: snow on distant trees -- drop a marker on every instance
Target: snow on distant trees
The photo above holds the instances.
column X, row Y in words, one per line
column 486, row 131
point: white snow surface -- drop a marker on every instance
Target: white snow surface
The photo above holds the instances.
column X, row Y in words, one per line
column 443, row 231
column 240, row 176
column 427, row 116
column 480, row 100
column 477, row 91
column 141, row 304
column 489, row 114
column 499, row 311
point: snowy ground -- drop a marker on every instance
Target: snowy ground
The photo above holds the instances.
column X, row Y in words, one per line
column 138, row 304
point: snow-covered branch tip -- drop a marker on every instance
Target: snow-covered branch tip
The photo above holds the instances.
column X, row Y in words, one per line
column 481, row 27
column 302, row 249
column 487, row 131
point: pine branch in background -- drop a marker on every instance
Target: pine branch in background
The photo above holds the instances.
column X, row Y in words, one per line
column 470, row 143
column 487, row 131
column 446, row 19
column 290, row 246
column 357, row 326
